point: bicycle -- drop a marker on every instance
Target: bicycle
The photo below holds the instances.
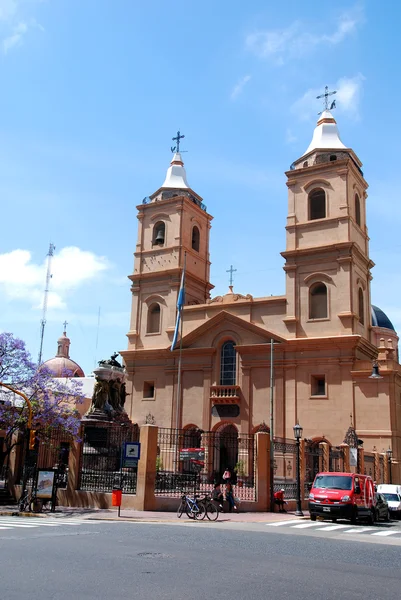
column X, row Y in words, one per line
column 30, row 503
column 192, row 508
column 212, row 511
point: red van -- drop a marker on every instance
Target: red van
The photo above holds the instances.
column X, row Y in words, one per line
column 342, row 496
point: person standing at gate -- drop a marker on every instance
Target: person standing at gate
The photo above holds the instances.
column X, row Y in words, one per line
column 227, row 476
column 230, row 497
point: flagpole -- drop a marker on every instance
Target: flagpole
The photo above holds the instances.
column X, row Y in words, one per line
column 179, row 377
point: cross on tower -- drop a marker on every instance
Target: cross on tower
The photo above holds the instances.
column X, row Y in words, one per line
column 326, row 99
column 65, row 326
column 231, row 271
column 177, row 139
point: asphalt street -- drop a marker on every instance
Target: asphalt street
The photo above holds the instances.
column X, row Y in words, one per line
column 111, row 560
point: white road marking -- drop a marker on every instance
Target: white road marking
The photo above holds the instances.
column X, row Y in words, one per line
column 332, row 527
column 385, row 533
column 304, row 525
column 8, row 524
column 358, row 530
column 279, row 523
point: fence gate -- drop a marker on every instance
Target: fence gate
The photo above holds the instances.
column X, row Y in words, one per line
column 336, row 462
column 285, row 464
column 369, row 465
column 101, row 455
column 313, row 462
column 195, row 459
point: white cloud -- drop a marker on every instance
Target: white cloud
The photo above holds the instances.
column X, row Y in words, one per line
column 22, row 279
column 349, row 90
column 15, row 39
column 14, row 27
column 294, row 41
column 238, row 88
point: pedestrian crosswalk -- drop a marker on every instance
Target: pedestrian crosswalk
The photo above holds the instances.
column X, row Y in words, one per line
column 25, row 523
column 382, row 530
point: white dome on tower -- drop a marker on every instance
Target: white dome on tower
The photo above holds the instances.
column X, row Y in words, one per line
column 326, row 134
column 176, row 177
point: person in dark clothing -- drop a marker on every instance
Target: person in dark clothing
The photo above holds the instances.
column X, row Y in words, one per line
column 217, row 496
column 230, row 497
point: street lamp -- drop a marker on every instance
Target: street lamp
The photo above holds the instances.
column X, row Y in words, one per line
column 298, row 435
column 389, row 453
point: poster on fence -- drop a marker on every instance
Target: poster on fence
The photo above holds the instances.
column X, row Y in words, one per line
column 45, row 483
column 353, row 457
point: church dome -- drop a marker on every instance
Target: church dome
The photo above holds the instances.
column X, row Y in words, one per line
column 380, row 319
column 62, row 365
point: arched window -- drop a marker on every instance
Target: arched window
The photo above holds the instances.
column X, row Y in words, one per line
column 153, row 318
column 333, row 157
column 318, row 301
column 195, row 238
column 228, row 364
column 305, row 164
column 357, row 210
column 159, row 233
column 317, row 204
column 361, row 306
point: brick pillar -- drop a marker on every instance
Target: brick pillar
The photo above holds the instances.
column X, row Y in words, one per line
column 263, row 470
column 345, row 449
column 145, row 487
column 386, row 474
column 361, row 461
column 326, row 456
column 302, row 462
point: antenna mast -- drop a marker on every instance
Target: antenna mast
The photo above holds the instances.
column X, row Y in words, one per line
column 49, row 255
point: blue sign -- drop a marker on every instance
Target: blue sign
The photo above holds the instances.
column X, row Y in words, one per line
column 131, row 454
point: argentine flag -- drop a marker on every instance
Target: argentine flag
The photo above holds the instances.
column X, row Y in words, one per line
column 180, row 304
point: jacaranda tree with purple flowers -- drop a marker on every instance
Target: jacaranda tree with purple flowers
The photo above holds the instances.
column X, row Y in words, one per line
column 54, row 400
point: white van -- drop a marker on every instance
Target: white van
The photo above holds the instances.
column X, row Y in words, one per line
column 392, row 494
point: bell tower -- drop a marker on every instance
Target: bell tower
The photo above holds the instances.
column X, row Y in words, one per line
column 173, row 223
column 327, row 253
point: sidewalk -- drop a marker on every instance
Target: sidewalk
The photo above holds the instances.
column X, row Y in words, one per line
column 66, row 512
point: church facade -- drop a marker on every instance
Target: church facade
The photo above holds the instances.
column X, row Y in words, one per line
column 324, row 331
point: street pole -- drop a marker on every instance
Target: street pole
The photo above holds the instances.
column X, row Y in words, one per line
column 271, row 426
column 298, row 512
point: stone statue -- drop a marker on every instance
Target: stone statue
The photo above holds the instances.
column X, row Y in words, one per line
column 123, row 395
column 115, row 393
column 100, row 395
column 112, row 362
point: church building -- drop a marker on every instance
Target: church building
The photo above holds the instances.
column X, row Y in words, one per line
column 326, row 334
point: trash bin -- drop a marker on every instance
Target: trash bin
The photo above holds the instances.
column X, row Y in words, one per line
column 116, row 496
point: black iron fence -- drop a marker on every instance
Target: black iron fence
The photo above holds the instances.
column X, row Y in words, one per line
column 192, row 458
column 336, row 459
column 100, row 467
column 369, row 461
column 313, row 462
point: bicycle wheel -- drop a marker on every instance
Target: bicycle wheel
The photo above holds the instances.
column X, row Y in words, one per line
column 180, row 510
column 200, row 514
column 36, row 505
column 190, row 512
column 212, row 512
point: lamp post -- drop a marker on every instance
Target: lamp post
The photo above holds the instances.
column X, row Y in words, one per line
column 298, row 435
column 389, row 453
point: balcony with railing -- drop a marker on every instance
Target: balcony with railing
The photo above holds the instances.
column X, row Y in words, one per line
column 225, row 394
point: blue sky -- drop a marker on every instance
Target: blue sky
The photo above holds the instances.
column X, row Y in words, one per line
column 92, row 93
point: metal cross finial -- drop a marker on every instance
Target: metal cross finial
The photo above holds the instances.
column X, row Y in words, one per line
column 177, row 139
column 326, row 99
column 231, row 271
column 65, row 326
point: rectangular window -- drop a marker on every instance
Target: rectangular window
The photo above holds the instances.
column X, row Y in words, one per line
column 149, row 389
column 318, row 385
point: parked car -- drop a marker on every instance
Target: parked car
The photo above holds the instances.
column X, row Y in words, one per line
column 392, row 494
column 382, row 511
column 342, row 496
